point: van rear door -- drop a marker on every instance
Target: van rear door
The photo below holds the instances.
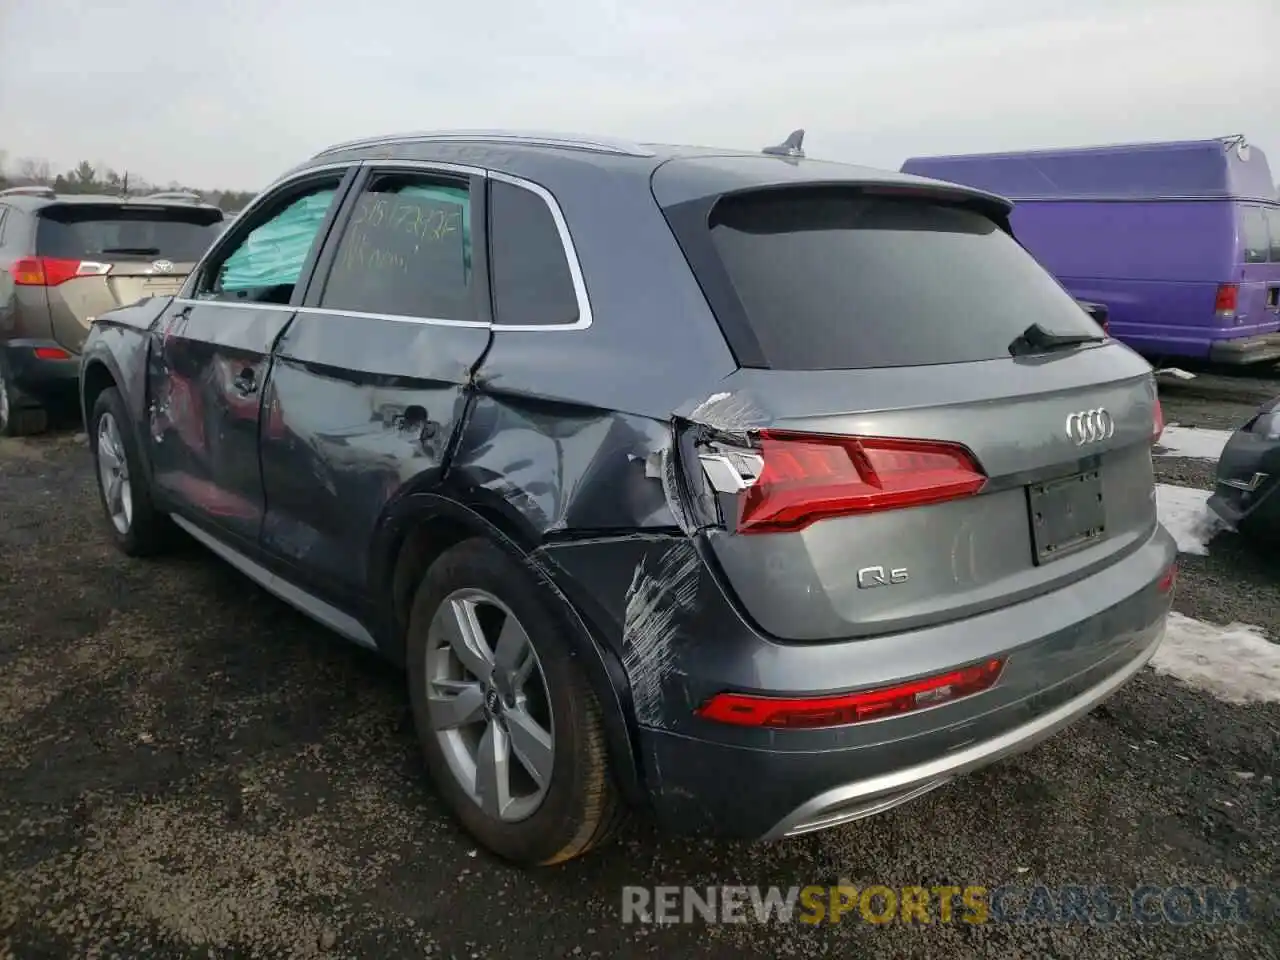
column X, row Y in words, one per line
column 1258, row 296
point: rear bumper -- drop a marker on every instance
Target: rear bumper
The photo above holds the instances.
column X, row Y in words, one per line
column 1245, row 350
column 42, row 376
column 863, row 798
column 1063, row 660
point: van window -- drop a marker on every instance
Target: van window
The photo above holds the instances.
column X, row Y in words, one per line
column 830, row 278
column 406, row 251
column 1257, row 243
column 1273, row 227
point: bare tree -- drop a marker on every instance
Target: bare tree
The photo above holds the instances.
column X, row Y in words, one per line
column 34, row 170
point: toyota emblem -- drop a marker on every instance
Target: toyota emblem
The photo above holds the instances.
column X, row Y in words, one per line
column 1090, row 426
column 162, row 266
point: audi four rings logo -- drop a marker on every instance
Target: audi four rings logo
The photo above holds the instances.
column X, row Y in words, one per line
column 1090, row 426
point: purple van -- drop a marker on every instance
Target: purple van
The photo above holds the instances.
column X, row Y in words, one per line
column 1181, row 241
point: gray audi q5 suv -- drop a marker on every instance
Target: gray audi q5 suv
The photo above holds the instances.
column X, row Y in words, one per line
column 765, row 491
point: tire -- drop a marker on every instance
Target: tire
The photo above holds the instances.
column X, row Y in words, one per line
column 145, row 530
column 579, row 805
column 18, row 418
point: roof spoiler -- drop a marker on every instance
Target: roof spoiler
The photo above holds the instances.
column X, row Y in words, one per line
column 182, row 196
column 33, row 190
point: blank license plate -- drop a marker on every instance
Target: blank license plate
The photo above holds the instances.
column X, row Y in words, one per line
column 1066, row 514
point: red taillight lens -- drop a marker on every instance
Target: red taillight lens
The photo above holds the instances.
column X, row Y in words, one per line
column 1225, row 301
column 746, row 710
column 809, row 477
column 1168, row 580
column 1157, row 427
column 49, row 271
column 51, row 353
column 28, row 272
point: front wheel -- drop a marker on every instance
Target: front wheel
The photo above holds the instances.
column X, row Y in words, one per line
column 135, row 525
column 511, row 730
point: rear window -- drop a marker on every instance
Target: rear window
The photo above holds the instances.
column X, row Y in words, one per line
column 101, row 231
column 834, row 279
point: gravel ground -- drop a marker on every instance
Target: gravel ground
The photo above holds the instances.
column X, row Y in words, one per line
column 189, row 769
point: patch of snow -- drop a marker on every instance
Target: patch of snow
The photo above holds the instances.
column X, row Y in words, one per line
column 1185, row 514
column 1236, row 663
column 1179, row 441
column 1176, row 372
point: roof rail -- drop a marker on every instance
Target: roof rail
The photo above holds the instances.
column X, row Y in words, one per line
column 31, row 190
column 185, row 196
column 527, row 138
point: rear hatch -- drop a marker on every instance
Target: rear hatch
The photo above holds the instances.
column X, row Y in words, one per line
column 98, row 255
column 1256, row 299
column 898, row 449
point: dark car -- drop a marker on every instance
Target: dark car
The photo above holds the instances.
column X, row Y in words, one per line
column 64, row 259
column 769, row 492
column 1246, row 496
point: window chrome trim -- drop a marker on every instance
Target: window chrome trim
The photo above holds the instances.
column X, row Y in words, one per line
column 585, row 316
column 571, row 256
column 399, row 318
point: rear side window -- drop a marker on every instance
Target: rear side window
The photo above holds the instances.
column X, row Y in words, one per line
column 532, row 285
column 406, row 251
column 105, row 232
column 1257, row 244
column 837, row 279
column 1272, row 217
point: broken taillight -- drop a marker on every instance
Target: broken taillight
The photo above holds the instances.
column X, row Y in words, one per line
column 750, row 710
column 797, row 479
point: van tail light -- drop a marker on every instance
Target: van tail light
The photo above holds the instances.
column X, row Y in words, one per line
column 1224, row 304
column 1157, row 427
column 749, row 710
column 1168, row 579
column 788, row 481
column 51, row 271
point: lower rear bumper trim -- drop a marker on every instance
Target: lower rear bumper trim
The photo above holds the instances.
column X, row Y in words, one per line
column 865, row 798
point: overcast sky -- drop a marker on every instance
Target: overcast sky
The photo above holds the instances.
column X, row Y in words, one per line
column 228, row 93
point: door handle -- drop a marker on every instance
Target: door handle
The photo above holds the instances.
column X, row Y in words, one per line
column 246, row 382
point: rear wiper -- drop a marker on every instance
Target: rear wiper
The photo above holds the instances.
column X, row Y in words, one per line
column 139, row 251
column 1036, row 339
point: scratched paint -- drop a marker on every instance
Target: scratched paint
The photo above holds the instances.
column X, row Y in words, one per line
column 730, row 412
column 660, row 591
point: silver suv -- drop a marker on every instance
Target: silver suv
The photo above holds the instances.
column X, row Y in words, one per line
column 64, row 260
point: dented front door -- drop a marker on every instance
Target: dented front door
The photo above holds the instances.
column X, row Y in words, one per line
column 209, row 363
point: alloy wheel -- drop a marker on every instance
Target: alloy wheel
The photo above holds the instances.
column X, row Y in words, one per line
column 113, row 474
column 489, row 705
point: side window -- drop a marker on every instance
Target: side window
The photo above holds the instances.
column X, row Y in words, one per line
column 4, row 215
column 406, row 251
column 532, row 285
column 1273, row 224
column 1256, row 242
column 265, row 264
